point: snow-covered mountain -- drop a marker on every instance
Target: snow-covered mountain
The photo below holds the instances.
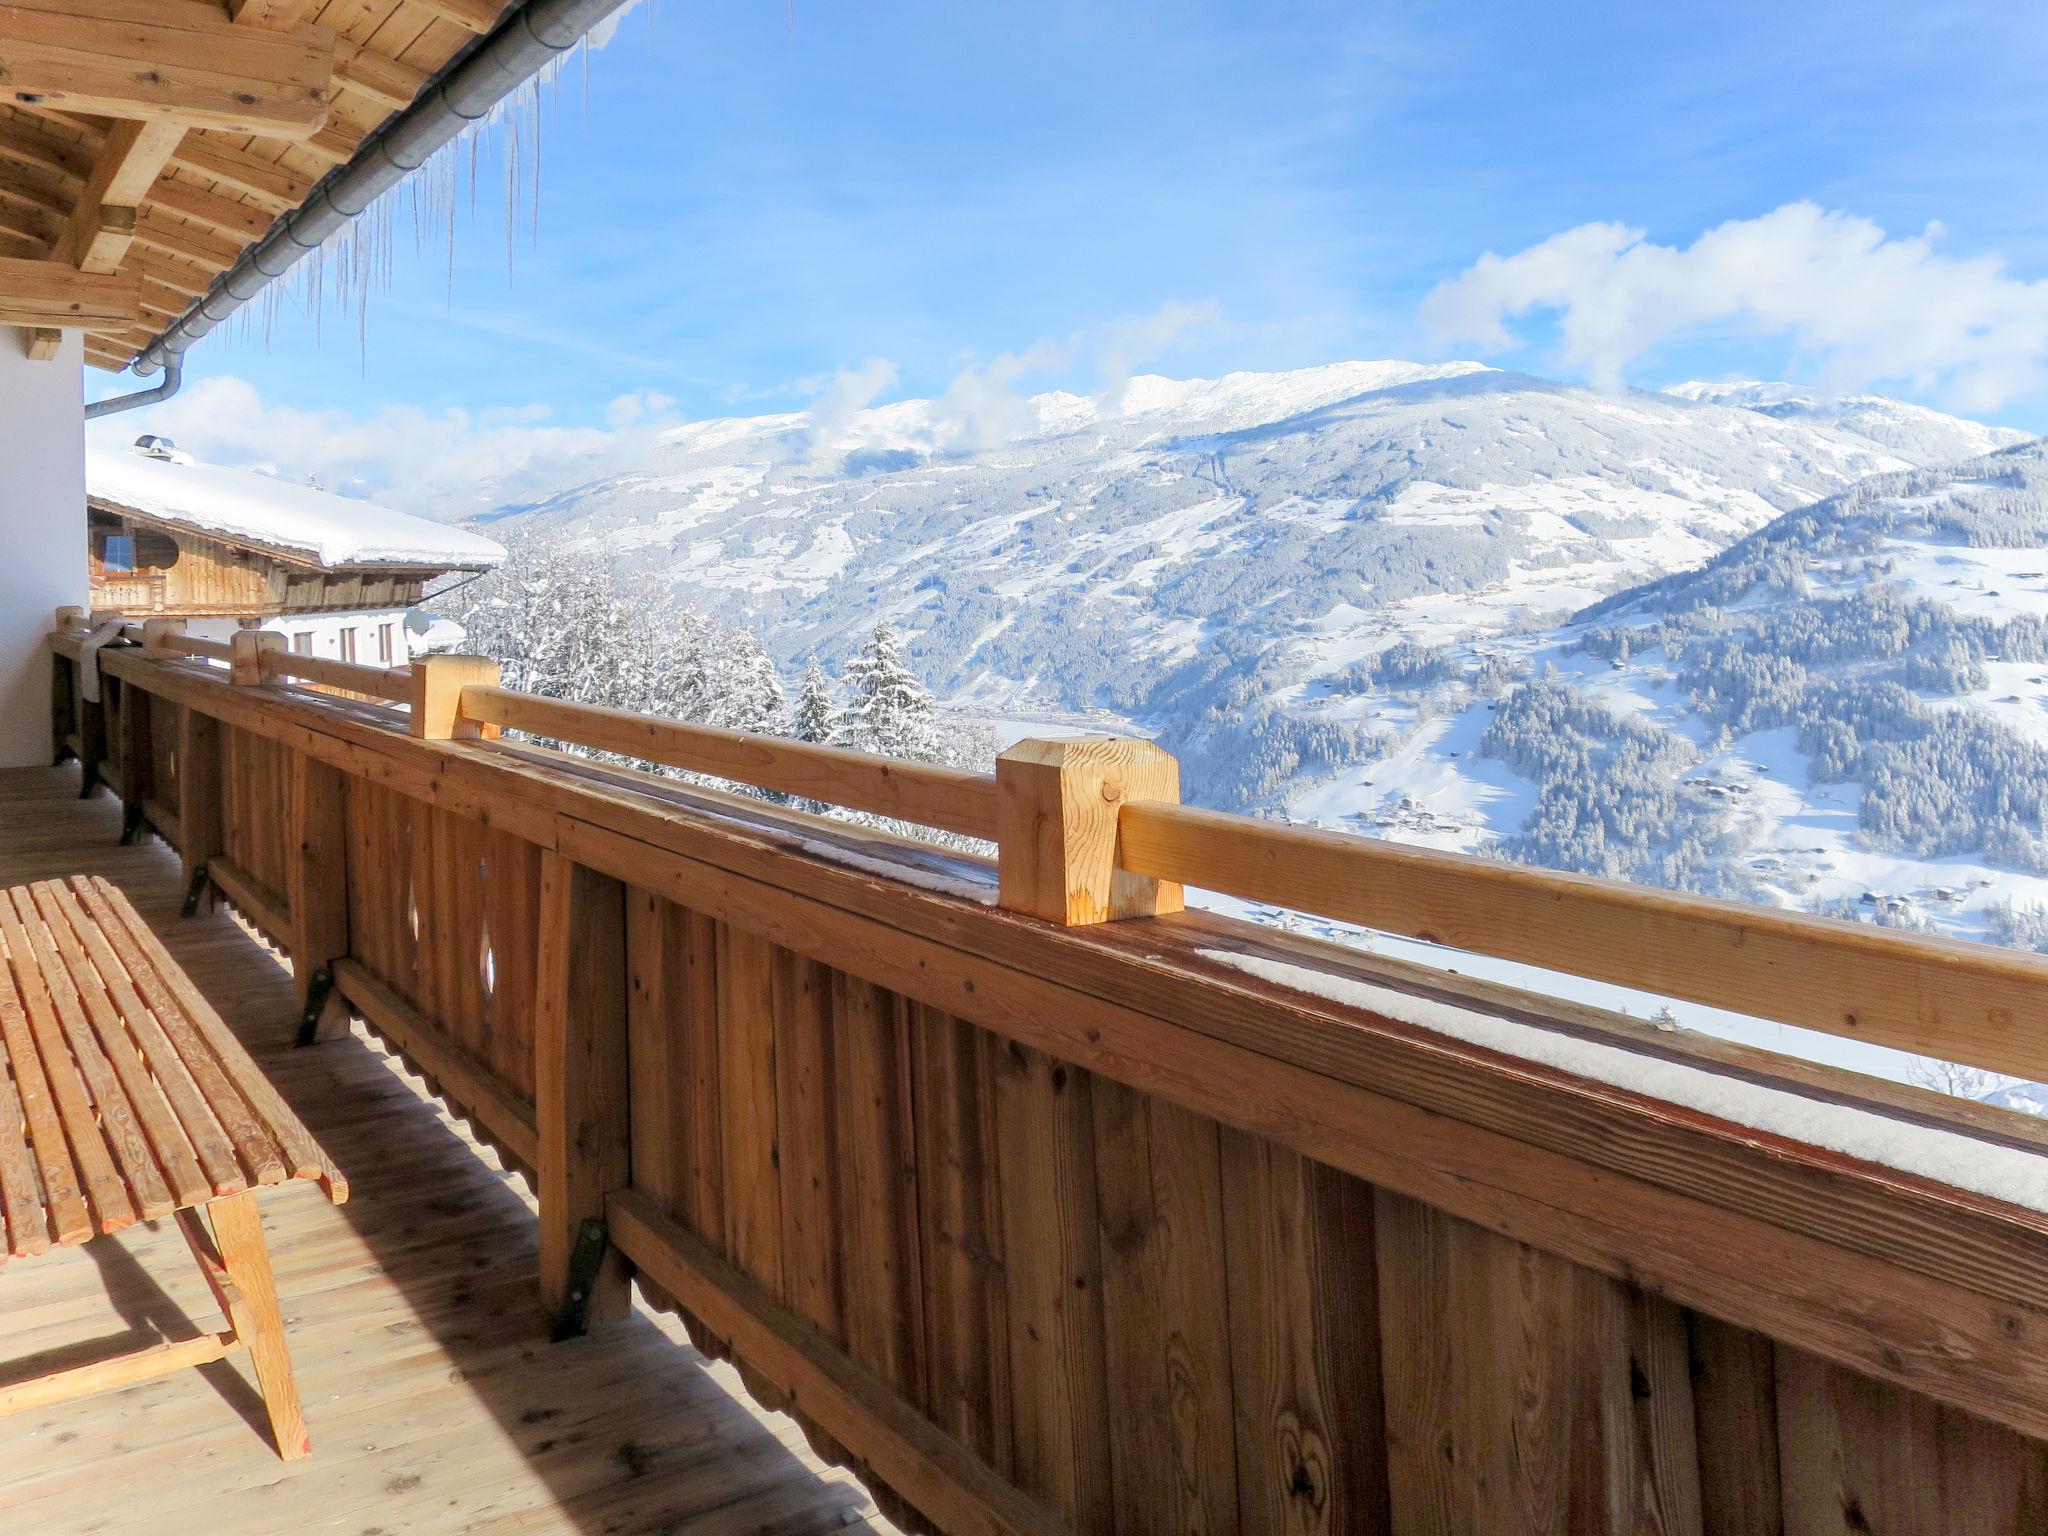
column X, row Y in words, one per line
column 1202, row 559
column 1846, row 711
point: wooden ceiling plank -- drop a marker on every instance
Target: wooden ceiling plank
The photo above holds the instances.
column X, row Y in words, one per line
column 38, row 293
column 166, row 60
column 274, row 187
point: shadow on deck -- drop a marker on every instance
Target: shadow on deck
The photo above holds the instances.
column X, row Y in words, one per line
column 436, row 1404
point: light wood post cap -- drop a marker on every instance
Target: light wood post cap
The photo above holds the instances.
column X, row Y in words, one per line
column 155, row 630
column 1056, row 823
column 437, row 684
column 245, row 653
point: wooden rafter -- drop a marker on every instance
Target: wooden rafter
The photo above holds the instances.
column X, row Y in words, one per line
column 223, row 215
column 43, row 342
column 179, row 61
column 161, row 232
column 273, row 187
column 369, row 73
column 477, row 16
column 51, row 293
column 23, row 145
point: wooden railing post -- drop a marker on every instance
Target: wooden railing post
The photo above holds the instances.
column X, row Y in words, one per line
column 137, row 758
column 63, row 689
column 155, row 631
column 1056, row 821
column 199, row 802
column 437, row 684
column 246, row 648
column 581, row 1091
column 316, row 893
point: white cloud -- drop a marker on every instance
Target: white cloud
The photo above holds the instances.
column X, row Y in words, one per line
column 851, row 391
column 446, row 464
column 1129, row 344
column 1861, row 306
column 455, row 463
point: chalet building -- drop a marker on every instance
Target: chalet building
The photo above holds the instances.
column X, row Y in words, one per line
column 225, row 549
column 714, row 1166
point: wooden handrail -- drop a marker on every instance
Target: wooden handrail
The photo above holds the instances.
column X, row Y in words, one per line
column 192, row 645
column 1971, row 1003
column 392, row 683
column 948, row 798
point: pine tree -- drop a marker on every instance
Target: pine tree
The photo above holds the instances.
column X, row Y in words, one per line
column 753, row 695
column 815, row 712
column 887, row 709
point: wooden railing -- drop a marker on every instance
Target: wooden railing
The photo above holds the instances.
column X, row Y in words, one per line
column 1052, row 1207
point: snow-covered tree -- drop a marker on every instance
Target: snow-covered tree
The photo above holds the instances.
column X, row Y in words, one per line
column 816, row 715
column 887, row 709
column 752, row 693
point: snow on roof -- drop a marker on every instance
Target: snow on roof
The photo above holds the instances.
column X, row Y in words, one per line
column 296, row 521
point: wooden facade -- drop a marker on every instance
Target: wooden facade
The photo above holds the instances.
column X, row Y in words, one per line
column 1058, row 1228
column 162, row 570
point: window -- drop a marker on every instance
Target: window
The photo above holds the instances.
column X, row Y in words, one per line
column 302, row 642
column 119, row 556
column 348, row 645
column 384, row 644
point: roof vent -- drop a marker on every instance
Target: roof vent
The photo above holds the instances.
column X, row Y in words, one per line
column 150, row 446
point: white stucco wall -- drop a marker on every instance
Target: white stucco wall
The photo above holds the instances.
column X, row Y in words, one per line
column 325, row 631
column 42, row 529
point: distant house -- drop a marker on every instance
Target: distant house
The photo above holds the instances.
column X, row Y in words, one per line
column 171, row 538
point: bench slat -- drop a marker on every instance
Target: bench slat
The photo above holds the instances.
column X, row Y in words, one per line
column 123, row 1096
column 105, row 1189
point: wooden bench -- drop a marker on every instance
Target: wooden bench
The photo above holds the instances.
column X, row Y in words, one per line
column 125, row 1098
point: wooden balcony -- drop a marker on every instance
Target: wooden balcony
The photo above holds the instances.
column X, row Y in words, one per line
column 1041, row 1204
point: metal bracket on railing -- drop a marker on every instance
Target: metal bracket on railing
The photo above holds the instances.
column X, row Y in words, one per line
column 318, row 990
column 131, row 816
column 200, row 878
column 592, row 1240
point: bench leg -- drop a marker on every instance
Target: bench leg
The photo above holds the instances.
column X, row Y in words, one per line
column 238, row 1228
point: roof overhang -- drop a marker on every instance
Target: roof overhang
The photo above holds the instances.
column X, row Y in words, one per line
column 163, row 160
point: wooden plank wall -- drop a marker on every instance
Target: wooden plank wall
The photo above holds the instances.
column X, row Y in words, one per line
column 445, row 912
column 1143, row 1320
column 1150, row 1322
column 256, row 809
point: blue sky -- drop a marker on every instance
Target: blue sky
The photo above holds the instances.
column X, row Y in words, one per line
column 752, row 196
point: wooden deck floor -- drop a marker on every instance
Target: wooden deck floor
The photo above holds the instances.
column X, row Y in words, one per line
column 436, row 1404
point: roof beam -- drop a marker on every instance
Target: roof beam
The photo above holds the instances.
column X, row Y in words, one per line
column 43, row 342
column 123, row 172
column 180, row 61
column 53, row 293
